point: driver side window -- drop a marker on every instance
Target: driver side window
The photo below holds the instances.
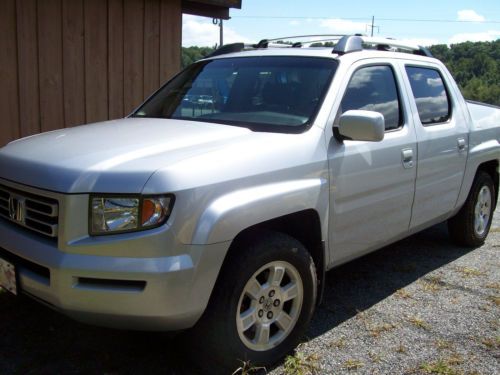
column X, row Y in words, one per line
column 374, row 88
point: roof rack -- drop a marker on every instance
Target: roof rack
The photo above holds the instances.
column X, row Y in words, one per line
column 343, row 44
column 238, row 47
column 353, row 43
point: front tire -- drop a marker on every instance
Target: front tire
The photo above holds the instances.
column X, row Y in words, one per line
column 471, row 225
column 261, row 305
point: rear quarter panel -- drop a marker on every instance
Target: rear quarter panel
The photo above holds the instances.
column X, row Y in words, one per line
column 484, row 142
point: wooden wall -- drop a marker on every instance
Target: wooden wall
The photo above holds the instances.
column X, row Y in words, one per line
column 70, row 62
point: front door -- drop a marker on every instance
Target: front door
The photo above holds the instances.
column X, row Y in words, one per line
column 372, row 184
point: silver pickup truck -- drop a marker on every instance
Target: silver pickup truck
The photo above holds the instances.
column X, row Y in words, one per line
column 220, row 202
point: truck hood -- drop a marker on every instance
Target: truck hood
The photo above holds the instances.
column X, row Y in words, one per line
column 110, row 157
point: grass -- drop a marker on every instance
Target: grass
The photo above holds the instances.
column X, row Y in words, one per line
column 377, row 330
column 495, row 300
column 495, row 286
column 301, row 364
column 339, row 344
column 491, row 343
column 401, row 349
column 443, row 344
column 454, row 359
column 439, row 367
column 376, row 358
column 353, row 364
column 402, row 293
column 431, row 284
column 417, row 322
column 469, row 272
column 246, row 368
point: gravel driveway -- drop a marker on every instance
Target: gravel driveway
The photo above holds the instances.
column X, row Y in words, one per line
column 418, row 306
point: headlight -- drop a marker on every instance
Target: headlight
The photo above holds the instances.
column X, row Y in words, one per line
column 126, row 214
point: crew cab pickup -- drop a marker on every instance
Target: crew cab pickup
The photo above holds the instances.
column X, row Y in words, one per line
column 218, row 204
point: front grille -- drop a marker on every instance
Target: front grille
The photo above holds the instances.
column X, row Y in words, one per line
column 34, row 212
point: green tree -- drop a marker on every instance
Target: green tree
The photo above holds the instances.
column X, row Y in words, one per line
column 476, row 68
column 193, row 54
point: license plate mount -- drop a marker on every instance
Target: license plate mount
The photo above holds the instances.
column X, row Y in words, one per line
column 8, row 276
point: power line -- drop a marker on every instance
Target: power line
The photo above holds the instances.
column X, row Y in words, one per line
column 365, row 18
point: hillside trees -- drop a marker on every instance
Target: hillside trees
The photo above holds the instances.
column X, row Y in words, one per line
column 476, row 68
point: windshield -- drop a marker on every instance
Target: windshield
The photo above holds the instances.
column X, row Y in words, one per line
column 272, row 93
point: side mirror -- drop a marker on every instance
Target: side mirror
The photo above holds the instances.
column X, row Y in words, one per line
column 362, row 126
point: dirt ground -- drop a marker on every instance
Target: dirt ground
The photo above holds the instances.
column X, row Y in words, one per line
column 419, row 306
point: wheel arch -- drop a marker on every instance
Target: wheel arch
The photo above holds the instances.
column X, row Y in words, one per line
column 304, row 226
column 491, row 167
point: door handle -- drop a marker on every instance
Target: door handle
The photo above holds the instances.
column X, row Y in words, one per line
column 461, row 144
column 407, row 156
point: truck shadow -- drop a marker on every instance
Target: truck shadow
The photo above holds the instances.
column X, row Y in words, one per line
column 362, row 283
column 35, row 339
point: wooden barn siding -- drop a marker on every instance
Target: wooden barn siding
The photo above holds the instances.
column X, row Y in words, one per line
column 70, row 62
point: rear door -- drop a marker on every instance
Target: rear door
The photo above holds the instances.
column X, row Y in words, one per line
column 442, row 139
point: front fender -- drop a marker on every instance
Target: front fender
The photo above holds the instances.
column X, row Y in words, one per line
column 228, row 215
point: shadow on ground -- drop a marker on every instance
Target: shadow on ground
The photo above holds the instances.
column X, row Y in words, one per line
column 360, row 284
column 37, row 340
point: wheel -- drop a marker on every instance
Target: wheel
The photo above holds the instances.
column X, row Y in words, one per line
column 261, row 305
column 470, row 226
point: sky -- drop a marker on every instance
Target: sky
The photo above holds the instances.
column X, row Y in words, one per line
column 423, row 22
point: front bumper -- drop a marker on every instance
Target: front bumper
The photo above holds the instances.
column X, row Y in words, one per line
column 168, row 292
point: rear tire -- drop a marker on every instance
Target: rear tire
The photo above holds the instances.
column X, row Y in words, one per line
column 261, row 305
column 470, row 226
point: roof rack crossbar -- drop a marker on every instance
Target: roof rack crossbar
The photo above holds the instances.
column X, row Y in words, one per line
column 345, row 44
column 231, row 48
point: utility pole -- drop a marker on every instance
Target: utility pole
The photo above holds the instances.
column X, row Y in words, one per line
column 218, row 22
column 221, row 32
column 373, row 26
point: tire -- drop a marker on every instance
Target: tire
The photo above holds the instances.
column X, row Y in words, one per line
column 470, row 226
column 246, row 304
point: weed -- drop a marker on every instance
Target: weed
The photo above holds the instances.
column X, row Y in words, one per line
column 431, row 284
column 443, row 344
column 352, row 364
column 301, row 364
column 495, row 300
column 491, row 343
column 246, row 368
column 454, row 359
column 439, row 367
column 401, row 349
column 484, row 308
column 376, row 358
column 495, row 286
column 375, row 331
column 468, row 272
column 402, row 293
column 339, row 344
column 420, row 323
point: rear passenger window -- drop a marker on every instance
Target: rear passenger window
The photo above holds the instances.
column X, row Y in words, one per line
column 373, row 88
column 430, row 95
